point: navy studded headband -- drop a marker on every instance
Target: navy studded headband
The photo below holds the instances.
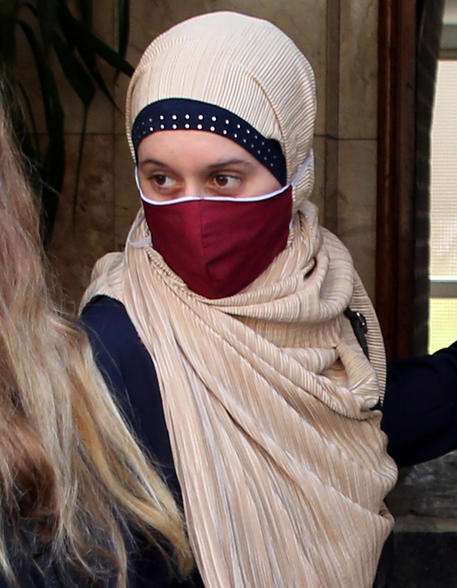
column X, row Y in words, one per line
column 183, row 113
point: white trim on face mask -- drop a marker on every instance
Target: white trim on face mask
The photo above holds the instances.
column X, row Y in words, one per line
column 294, row 182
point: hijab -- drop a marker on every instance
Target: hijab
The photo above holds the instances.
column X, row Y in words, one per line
column 268, row 398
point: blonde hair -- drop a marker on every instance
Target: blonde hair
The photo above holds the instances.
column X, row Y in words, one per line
column 70, row 470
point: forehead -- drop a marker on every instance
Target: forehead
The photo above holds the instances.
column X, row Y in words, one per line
column 192, row 144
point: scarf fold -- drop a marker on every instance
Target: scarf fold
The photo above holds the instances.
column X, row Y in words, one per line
column 267, row 397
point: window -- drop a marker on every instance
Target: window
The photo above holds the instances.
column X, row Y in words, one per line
column 443, row 210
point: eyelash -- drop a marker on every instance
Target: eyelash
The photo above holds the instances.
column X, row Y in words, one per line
column 154, row 178
column 227, row 176
column 230, row 177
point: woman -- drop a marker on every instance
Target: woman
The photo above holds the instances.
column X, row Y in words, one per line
column 246, row 380
column 72, row 478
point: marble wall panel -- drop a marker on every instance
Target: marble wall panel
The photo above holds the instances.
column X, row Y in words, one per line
column 358, row 70
column 331, row 97
column 125, row 192
column 80, row 239
column 330, row 155
column 318, row 196
column 357, row 205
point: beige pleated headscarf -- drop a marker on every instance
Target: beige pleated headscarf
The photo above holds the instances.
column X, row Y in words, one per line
column 267, row 394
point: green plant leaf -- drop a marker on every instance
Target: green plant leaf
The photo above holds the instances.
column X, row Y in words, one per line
column 53, row 166
column 50, row 95
column 78, row 37
column 89, row 45
column 86, row 11
column 82, row 140
column 123, row 31
column 74, row 71
column 9, row 8
column 78, row 51
column 46, row 12
column 113, row 58
column 52, row 172
column 8, row 19
column 28, row 107
column 16, row 115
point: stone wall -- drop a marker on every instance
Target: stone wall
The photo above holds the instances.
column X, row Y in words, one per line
column 339, row 39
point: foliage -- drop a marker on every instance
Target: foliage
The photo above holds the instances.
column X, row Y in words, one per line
column 58, row 38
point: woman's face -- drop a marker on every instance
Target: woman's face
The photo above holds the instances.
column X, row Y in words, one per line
column 172, row 164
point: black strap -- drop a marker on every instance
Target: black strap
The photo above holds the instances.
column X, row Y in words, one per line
column 359, row 326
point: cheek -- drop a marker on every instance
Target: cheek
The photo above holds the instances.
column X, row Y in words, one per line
column 143, row 184
column 267, row 183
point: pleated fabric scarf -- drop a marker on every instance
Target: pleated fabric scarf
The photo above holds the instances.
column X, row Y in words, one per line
column 268, row 396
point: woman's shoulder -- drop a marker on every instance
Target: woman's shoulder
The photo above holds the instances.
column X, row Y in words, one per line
column 114, row 339
column 105, row 316
column 130, row 374
column 118, row 350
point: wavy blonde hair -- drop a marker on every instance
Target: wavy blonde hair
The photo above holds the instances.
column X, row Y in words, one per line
column 70, row 470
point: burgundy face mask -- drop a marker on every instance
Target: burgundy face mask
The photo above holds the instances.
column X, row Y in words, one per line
column 219, row 245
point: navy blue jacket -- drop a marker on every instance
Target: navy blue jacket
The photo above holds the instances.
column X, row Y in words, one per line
column 420, row 406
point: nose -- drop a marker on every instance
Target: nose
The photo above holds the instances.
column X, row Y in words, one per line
column 195, row 188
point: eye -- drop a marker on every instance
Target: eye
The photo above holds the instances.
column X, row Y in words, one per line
column 162, row 180
column 226, row 181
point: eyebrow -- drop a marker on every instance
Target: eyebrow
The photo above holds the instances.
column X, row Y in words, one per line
column 216, row 165
column 229, row 162
column 154, row 162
